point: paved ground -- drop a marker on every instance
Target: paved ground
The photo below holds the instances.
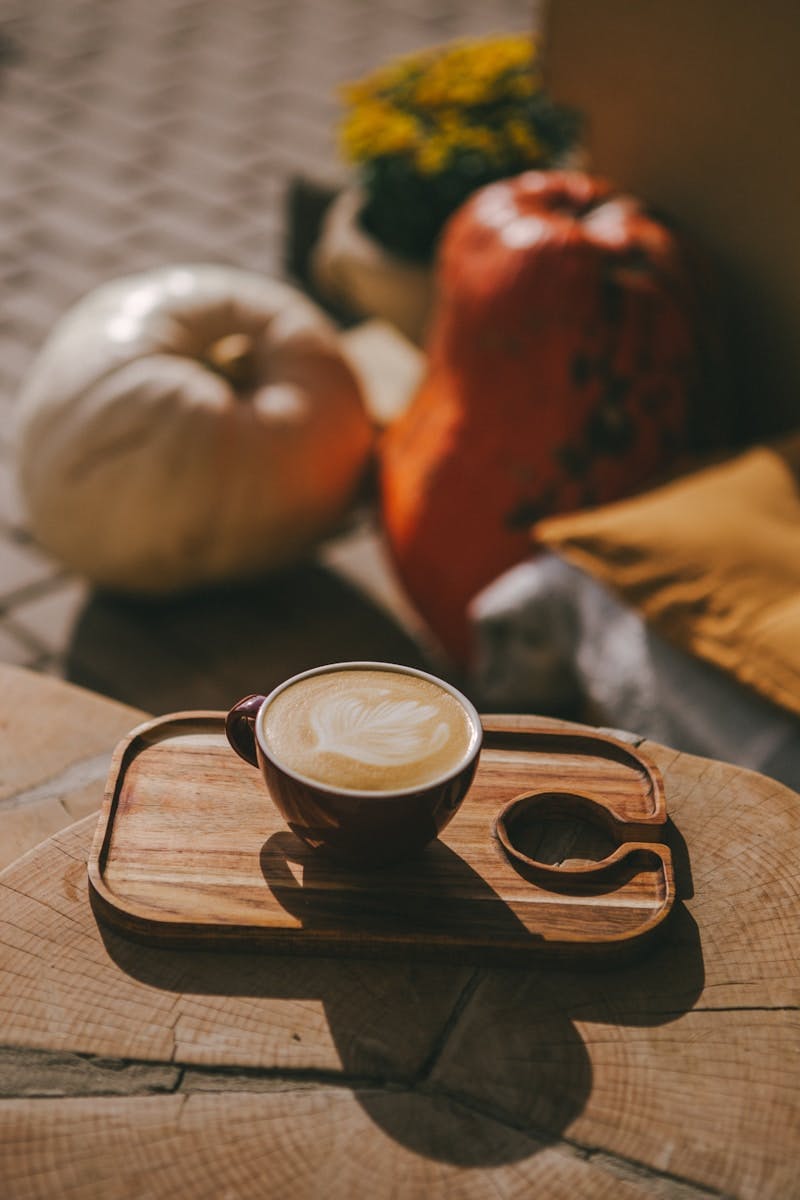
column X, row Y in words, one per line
column 141, row 132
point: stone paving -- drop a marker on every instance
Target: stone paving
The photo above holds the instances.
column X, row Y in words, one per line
column 140, row 132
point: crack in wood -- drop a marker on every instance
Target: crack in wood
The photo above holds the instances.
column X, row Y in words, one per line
column 86, row 1076
column 74, row 921
column 39, row 1074
column 633, row 1171
column 76, row 775
column 75, row 1074
column 623, row 1168
column 723, row 1008
column 187, row 1076
column 439, row 1044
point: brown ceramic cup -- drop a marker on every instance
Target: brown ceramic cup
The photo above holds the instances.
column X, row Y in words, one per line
column 364, row 827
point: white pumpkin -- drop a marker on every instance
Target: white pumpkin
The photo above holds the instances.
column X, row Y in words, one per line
column 187, row 425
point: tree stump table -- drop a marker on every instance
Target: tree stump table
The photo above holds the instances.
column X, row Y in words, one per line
column 134, row 1072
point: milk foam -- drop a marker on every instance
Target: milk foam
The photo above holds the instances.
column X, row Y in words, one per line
column 384, row 732
column 367, row 730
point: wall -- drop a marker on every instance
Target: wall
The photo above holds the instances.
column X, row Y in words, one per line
column 694, row 105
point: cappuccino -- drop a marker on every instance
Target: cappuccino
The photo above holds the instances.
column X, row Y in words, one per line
column 368, row 729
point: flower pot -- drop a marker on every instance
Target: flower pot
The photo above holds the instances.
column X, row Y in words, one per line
column 351, row 268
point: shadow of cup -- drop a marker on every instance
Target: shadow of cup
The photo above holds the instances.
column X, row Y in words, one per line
column 464, row 1065
column 439, row 896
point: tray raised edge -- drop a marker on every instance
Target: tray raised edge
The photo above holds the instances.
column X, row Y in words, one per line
column 149, row 926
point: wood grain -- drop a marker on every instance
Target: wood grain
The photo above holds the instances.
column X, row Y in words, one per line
column 55, row 752
column 133, row 1071
column 327, row 1144
column 190, row 849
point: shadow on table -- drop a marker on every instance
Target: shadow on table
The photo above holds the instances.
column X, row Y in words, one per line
column 434, row 898
column 474, row 1067
column 208, row 649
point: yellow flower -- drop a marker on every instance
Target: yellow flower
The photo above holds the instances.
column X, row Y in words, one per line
column 523, row 84
column 431, row 157
column 474, row 73
column 521, row 137
column 464, row 73
column 457, row 134
column 436, row 103
column 377, row 129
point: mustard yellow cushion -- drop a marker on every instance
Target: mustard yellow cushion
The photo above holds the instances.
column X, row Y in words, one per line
column 712, row 561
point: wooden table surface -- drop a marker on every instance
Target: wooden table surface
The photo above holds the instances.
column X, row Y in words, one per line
column 128, row 1071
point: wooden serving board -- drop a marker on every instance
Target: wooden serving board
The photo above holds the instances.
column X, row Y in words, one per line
column 189, row 850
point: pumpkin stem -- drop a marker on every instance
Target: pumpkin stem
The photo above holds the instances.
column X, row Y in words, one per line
column 232, row 357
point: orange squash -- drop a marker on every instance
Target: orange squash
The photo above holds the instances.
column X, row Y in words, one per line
column 567, row 356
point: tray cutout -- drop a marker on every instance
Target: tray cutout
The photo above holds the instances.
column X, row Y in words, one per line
column 189, row 851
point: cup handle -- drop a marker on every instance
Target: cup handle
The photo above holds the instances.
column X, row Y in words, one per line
column 240, row 727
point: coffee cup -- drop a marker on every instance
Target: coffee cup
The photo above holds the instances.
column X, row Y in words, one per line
column 366, row 761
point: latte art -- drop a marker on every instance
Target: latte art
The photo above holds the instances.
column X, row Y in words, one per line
column 384, row 734
column 367, row 729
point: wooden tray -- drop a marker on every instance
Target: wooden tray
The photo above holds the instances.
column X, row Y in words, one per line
column 189, row 850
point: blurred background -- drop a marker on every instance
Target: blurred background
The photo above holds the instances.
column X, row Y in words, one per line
column 141, row 134
column 137, row 133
